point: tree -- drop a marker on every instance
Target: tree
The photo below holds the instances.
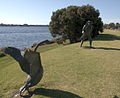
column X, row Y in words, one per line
column 117, row 25
column 68, row 22
column 112, row 25
column 106, row 26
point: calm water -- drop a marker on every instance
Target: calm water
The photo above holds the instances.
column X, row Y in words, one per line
column 22, row 37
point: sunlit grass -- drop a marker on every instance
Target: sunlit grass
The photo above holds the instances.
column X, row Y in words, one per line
column 71, row 70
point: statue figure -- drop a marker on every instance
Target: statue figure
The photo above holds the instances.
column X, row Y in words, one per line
column 86, row 30
column 30, row 63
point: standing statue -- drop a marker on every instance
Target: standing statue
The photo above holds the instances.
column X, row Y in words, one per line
column 30, row 63
column 86, row 30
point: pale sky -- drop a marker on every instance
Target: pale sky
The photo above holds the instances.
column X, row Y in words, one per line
column 40, row 11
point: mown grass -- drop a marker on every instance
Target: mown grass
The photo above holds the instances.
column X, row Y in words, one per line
column 71, row 71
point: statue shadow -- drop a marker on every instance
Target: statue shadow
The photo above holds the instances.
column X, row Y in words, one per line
column 104, row 48
column 106, row 37
column 54, row 93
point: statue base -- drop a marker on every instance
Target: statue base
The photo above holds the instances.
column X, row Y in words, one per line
column 16, row 94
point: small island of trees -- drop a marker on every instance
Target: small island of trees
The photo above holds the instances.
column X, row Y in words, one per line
column 112, row 26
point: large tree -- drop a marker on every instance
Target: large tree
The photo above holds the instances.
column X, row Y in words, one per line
column 68, row 22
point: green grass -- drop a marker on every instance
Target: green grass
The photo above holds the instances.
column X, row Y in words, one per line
column 71, row 71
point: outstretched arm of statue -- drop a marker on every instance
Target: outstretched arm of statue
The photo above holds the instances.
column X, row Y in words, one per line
column 83, row 29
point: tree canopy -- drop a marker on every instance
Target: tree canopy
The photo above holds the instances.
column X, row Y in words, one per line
column 68, row 22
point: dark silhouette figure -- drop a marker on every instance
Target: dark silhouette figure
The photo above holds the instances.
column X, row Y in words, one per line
column 30, row 63
column 87, row 29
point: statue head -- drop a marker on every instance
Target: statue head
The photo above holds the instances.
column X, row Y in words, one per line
column 88, row 21
column 10, row 50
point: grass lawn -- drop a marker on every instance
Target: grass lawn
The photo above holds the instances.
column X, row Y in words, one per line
column 71, row 71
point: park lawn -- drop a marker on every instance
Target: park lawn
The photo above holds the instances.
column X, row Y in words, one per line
column 71, row 71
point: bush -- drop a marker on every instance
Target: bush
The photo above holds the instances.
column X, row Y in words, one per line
column 68, row 22
column 2, row 54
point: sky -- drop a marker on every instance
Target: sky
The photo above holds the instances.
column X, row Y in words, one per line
column 40, row 11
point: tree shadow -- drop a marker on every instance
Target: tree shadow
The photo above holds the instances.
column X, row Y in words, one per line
column 54, row 93
column 106, row 37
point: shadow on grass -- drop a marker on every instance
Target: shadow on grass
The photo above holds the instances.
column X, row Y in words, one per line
column 106, row 37
column 115, row 96
column 104, row 48
column 54, row 93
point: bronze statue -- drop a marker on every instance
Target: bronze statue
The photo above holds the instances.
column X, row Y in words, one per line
column 86, row 30
column 30, row 63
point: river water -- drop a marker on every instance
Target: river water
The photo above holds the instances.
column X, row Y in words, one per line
column 23, row 37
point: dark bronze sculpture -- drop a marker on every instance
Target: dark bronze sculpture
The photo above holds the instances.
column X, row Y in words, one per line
column 30, row 63
column 87, row 29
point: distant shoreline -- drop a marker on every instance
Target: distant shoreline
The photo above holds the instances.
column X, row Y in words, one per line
column 23, row 25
